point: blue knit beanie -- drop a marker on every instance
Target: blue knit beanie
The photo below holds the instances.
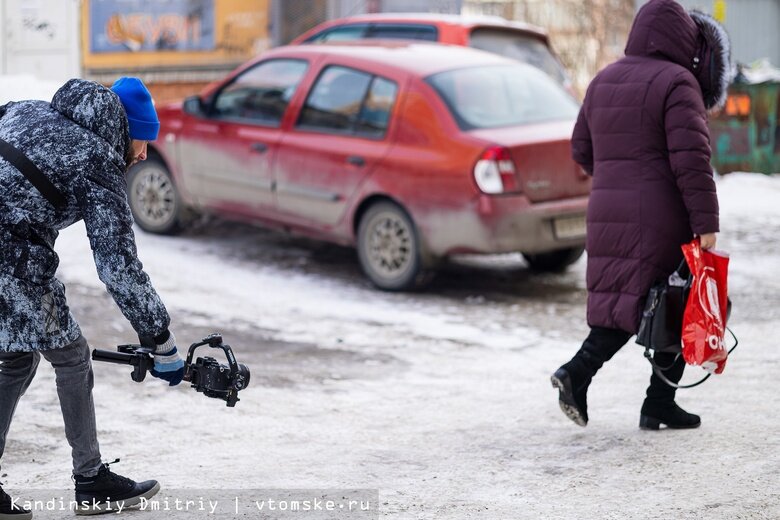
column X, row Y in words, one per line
column 141, row 114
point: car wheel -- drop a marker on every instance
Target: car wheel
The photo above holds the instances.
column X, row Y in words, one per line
column 389, row 248
column 153, row 198
column 555, row 261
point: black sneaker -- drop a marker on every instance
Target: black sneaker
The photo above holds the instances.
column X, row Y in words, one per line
column 106, row 492
column 653, row 415
column 9, row 510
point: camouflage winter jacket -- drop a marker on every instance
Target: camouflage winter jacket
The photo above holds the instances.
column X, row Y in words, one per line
column 79, row 142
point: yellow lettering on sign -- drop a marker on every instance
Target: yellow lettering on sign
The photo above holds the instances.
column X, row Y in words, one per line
column 719, row 10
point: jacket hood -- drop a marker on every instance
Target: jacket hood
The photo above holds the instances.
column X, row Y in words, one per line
column 662, row 29
column 713, row 69
column 97, row 109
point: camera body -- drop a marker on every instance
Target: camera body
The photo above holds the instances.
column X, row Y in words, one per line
column 205, row 375
column 212, row 378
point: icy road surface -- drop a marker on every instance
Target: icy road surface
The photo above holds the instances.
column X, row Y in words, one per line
column 441, row 400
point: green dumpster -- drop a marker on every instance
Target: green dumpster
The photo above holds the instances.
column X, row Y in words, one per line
column 745, row 135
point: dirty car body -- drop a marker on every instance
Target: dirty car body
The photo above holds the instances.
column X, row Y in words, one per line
column 411, row 152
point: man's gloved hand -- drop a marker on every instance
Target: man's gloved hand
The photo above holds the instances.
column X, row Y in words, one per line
column 168, row 365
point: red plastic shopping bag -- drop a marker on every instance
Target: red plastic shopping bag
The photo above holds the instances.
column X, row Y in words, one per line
column 704, row 320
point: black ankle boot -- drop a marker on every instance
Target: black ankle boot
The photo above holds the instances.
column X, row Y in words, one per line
column 108, row 492
column 572, row 393
column 654, row 414
column 10, row 510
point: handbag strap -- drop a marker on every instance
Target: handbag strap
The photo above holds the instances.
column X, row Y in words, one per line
column 33, row 174
column 683, row 270
column 659, row 370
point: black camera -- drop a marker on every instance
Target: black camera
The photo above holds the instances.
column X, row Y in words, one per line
column 206, row 375
column 213, row 379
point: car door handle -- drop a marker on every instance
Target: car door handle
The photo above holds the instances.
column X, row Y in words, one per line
column 356, row 160
column 258, row 147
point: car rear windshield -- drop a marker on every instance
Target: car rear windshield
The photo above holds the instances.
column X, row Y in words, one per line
column 502, row 95
column 519, row 46
column 385, row 31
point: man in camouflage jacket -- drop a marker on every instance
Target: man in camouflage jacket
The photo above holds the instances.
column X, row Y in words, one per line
column 82, row 142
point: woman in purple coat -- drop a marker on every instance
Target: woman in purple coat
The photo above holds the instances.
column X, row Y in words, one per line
column 642, row 134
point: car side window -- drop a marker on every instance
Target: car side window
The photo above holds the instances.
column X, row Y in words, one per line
column 348, row 101
column 397, row 31
column 261, row 94
column 375, row 113
column 340, row 34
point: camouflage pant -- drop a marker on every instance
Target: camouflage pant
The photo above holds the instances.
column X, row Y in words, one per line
column 73, row 372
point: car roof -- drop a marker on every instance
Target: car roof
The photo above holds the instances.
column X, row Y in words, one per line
column 419, row 58
column 468, row 21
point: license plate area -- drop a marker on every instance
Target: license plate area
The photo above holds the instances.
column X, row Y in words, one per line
column 565, row 228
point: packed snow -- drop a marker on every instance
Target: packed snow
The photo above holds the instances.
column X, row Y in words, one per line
column 439, row 400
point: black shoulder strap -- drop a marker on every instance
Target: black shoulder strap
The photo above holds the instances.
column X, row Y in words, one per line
column 33, row 174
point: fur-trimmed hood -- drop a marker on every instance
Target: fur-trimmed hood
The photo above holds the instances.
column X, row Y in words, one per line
column 713, row 70
column 696, row 41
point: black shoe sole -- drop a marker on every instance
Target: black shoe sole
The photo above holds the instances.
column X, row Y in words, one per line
column 651, row 423
column 560, row 380
column 113, row 507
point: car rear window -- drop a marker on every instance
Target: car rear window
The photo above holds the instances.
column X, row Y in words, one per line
column 403, row 31
column 341, row 33
column 518, row 46
column 386, row 31
column 502, row 95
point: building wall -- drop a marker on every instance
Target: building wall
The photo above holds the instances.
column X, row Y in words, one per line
column 417, row 6
column 341, row 8
column 40, row 37
column 753, row 25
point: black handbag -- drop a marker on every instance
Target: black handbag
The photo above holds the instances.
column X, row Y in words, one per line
column 660, row 328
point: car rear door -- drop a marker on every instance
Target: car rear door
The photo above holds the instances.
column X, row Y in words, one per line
column 228, row 151
column 342, row 131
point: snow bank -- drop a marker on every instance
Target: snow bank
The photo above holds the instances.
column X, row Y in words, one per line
column 18, row 88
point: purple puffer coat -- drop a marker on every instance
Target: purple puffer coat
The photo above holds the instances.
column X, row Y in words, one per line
column 642, row 133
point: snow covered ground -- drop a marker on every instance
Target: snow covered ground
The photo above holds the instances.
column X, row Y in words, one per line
column 440, row 400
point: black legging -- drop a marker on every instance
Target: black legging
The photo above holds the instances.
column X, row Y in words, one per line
column 602, row 343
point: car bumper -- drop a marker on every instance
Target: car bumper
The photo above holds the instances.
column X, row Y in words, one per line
column 504, row 224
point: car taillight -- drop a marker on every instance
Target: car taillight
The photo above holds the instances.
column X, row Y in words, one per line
column 495, row 172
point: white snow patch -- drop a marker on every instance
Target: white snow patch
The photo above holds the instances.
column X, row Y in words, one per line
column 23, row 87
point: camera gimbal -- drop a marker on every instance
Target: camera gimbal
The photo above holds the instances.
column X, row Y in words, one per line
column 206, row 375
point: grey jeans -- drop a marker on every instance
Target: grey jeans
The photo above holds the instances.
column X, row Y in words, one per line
column 73, row 372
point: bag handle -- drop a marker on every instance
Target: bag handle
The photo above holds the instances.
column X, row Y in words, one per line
column 659, row 370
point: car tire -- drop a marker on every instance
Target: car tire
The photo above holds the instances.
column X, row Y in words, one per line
column 555, row 261
column 389, row 249
column 154, row 199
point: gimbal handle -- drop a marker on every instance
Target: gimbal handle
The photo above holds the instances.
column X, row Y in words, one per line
column 141, row 358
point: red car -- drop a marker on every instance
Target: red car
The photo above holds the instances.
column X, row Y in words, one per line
column 516, row 40
column 410, row 151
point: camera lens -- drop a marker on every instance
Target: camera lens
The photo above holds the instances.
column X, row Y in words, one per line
column 242, row 380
